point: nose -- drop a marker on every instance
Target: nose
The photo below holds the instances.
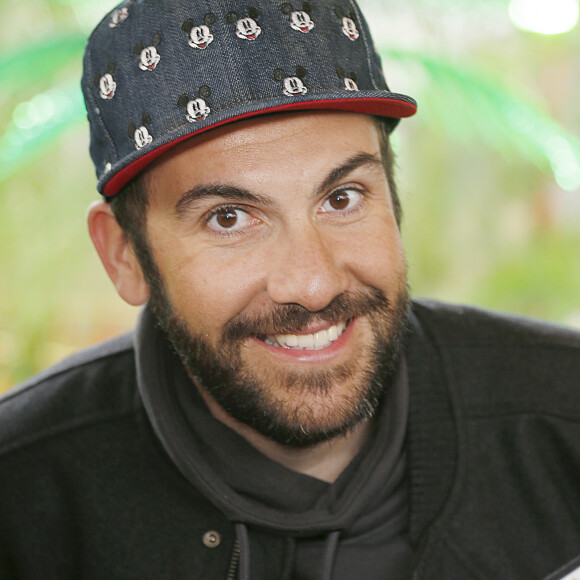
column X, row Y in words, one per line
column 306, row 269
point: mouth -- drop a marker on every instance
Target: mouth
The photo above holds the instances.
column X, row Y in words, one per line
column 316, row 341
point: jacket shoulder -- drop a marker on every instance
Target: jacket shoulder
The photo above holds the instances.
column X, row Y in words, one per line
column 90, row 386
column 468, row 325
column 498, row 363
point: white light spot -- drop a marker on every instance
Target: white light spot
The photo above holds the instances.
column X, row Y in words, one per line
column 564, row 162
column 552, row 17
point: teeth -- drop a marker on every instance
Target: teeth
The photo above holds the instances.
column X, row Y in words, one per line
column 306, row 341
column 332, row 333
column 315, row 341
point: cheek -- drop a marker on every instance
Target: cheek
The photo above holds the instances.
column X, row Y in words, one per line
column 375, row 253
column 209, row 287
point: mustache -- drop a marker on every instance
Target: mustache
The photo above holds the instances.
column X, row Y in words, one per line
column 294, row 318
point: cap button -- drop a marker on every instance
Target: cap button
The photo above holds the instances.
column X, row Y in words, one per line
column 211, row 539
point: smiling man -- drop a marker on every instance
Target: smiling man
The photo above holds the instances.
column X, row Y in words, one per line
column 287, row 297
column 283, row 409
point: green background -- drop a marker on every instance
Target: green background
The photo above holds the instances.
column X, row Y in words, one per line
column 489, row 169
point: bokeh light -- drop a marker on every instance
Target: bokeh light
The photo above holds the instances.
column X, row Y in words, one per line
column 554, row 17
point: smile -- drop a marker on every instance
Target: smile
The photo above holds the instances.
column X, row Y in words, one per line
column 315, row 341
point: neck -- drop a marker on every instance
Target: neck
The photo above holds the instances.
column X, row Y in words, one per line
column 325, row 461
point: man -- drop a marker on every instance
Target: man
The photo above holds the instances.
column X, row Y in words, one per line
column 283, row 410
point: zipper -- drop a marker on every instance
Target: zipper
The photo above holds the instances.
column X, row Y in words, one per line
column 234, row 562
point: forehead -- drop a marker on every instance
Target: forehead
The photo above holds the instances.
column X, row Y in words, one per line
column 265, row 153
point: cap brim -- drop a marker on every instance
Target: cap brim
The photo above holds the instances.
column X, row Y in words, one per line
column 390, row 105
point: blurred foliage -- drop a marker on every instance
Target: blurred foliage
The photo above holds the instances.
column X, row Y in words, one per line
column 489, row 169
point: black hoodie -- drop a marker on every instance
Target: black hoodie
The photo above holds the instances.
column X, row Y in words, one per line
column 492, row 447
column 302, row 527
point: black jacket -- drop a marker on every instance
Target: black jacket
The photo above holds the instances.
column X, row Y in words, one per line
column 87, row 491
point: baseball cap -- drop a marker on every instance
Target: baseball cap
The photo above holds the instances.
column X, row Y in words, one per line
column 156, row 72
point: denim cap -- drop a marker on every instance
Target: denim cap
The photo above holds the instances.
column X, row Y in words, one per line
column 157, row 72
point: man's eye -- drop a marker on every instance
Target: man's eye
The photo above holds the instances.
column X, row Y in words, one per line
column 341, row 200
column 229, row 218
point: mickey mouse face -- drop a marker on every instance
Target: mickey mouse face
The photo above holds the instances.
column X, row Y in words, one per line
column 107, row 86
column 349, row 81
column 348, row 28
column 199, row 36
column 291, row 85
column 299, row 19
column 350, row 85
column 246, row 28
column 106, row 83
column 149, row 57
column 141, row 135
column 196, row 109
column 118, row 16
column 294, row 86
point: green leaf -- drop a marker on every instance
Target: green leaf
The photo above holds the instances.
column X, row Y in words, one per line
column 469, row 103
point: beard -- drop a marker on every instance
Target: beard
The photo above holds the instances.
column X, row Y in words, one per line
column 295, row 408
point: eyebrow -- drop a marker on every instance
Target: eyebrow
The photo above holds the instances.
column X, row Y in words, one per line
column 240, row 194
column 352, row 163
column 226, row 192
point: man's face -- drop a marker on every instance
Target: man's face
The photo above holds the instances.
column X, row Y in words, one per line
column 283, row 283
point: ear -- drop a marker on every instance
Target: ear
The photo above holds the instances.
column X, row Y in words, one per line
column 204, row 92
column 117, row 254
column 183, row 101
column 231, row 18
column 187, row 26
column 278, row 75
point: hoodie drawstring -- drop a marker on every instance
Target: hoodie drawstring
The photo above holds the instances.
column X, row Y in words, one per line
column 244, row 543
column 242, row 564
column 329, row 553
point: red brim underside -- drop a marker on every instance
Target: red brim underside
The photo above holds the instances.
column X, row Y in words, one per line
column 381, row 107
